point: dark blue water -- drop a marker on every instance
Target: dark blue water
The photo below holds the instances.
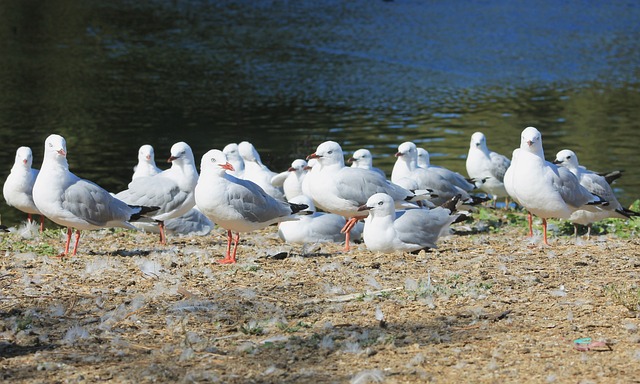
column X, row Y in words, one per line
column 287, row 75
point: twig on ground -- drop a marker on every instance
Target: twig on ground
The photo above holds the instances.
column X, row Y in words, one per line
column 353, row 296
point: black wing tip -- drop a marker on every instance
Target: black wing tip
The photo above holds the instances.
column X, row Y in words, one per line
column 451, row 203
column 462, row 217
column 628, row 213
column 142, row 211
column 598, row 201
column 612, row 176
column 475, row 199
column 295, row 208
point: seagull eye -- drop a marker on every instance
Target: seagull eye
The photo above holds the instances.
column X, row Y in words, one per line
column 568, row 157
column 330, row 152
column 380, row 203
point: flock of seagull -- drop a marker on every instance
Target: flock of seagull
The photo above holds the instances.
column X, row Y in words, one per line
column 235, row 190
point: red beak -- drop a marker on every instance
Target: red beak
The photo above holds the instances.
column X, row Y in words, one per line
column 312, row 156
column 172, row 158
column 398, row 154
column 62, row 153
column 227, row 166
column 529, row 142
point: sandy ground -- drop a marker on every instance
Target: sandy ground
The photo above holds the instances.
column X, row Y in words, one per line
column 485, row 307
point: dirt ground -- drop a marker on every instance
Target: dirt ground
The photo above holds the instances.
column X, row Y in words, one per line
column 487, row 307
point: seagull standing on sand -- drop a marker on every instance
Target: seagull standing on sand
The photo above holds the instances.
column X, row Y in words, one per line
column 407, row 174
column 597, row 185
column 171, row 190
column 18, row 188
column 192, row 222
column 487, row 168
column 76, row 203
column 342, row 190
column 146, row 163
column 386, row 230
column 316, row 227
column 543, row 188
column 257, row 172
column 236, row 205
column 423, row 161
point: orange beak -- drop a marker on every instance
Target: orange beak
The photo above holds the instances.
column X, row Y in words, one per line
column 227, row 166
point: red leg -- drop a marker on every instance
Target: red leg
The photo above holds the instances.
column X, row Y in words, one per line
column 346, row 225
column 75, row 245
column 41, row 223
column 163, row 238
column 544, row 228
column 235, row 247
column 66, row 247
column 229, row 240
column 347, row 240
column 29, row 218
column 347, row 231
column 530, row 217
column 230, row 258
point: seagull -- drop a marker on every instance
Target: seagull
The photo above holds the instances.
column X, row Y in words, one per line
column 171, row 190
column 454, row 178
column 597, row 185
column 146, row 163
column 487, row 168
column 191, row 223
column 407, row 174
column 541, row 187
column 423, row 160
column 233, row 155
column 342, row 190
column 236, row 205
column 387, row 231
column 257, row 172
column 362, row 159
column 291, row 179
column 77, row 203
column 18, row 188
column 315, row 227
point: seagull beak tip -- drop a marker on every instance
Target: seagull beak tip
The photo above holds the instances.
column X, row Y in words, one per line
column 227, row 166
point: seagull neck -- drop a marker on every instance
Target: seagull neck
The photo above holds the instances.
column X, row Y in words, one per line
column 20, row 167
column 574, row 169
column 55, row 163
column 333, row 166
column 535, row 150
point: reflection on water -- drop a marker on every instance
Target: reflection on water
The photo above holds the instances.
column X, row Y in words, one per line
column 112, row 75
